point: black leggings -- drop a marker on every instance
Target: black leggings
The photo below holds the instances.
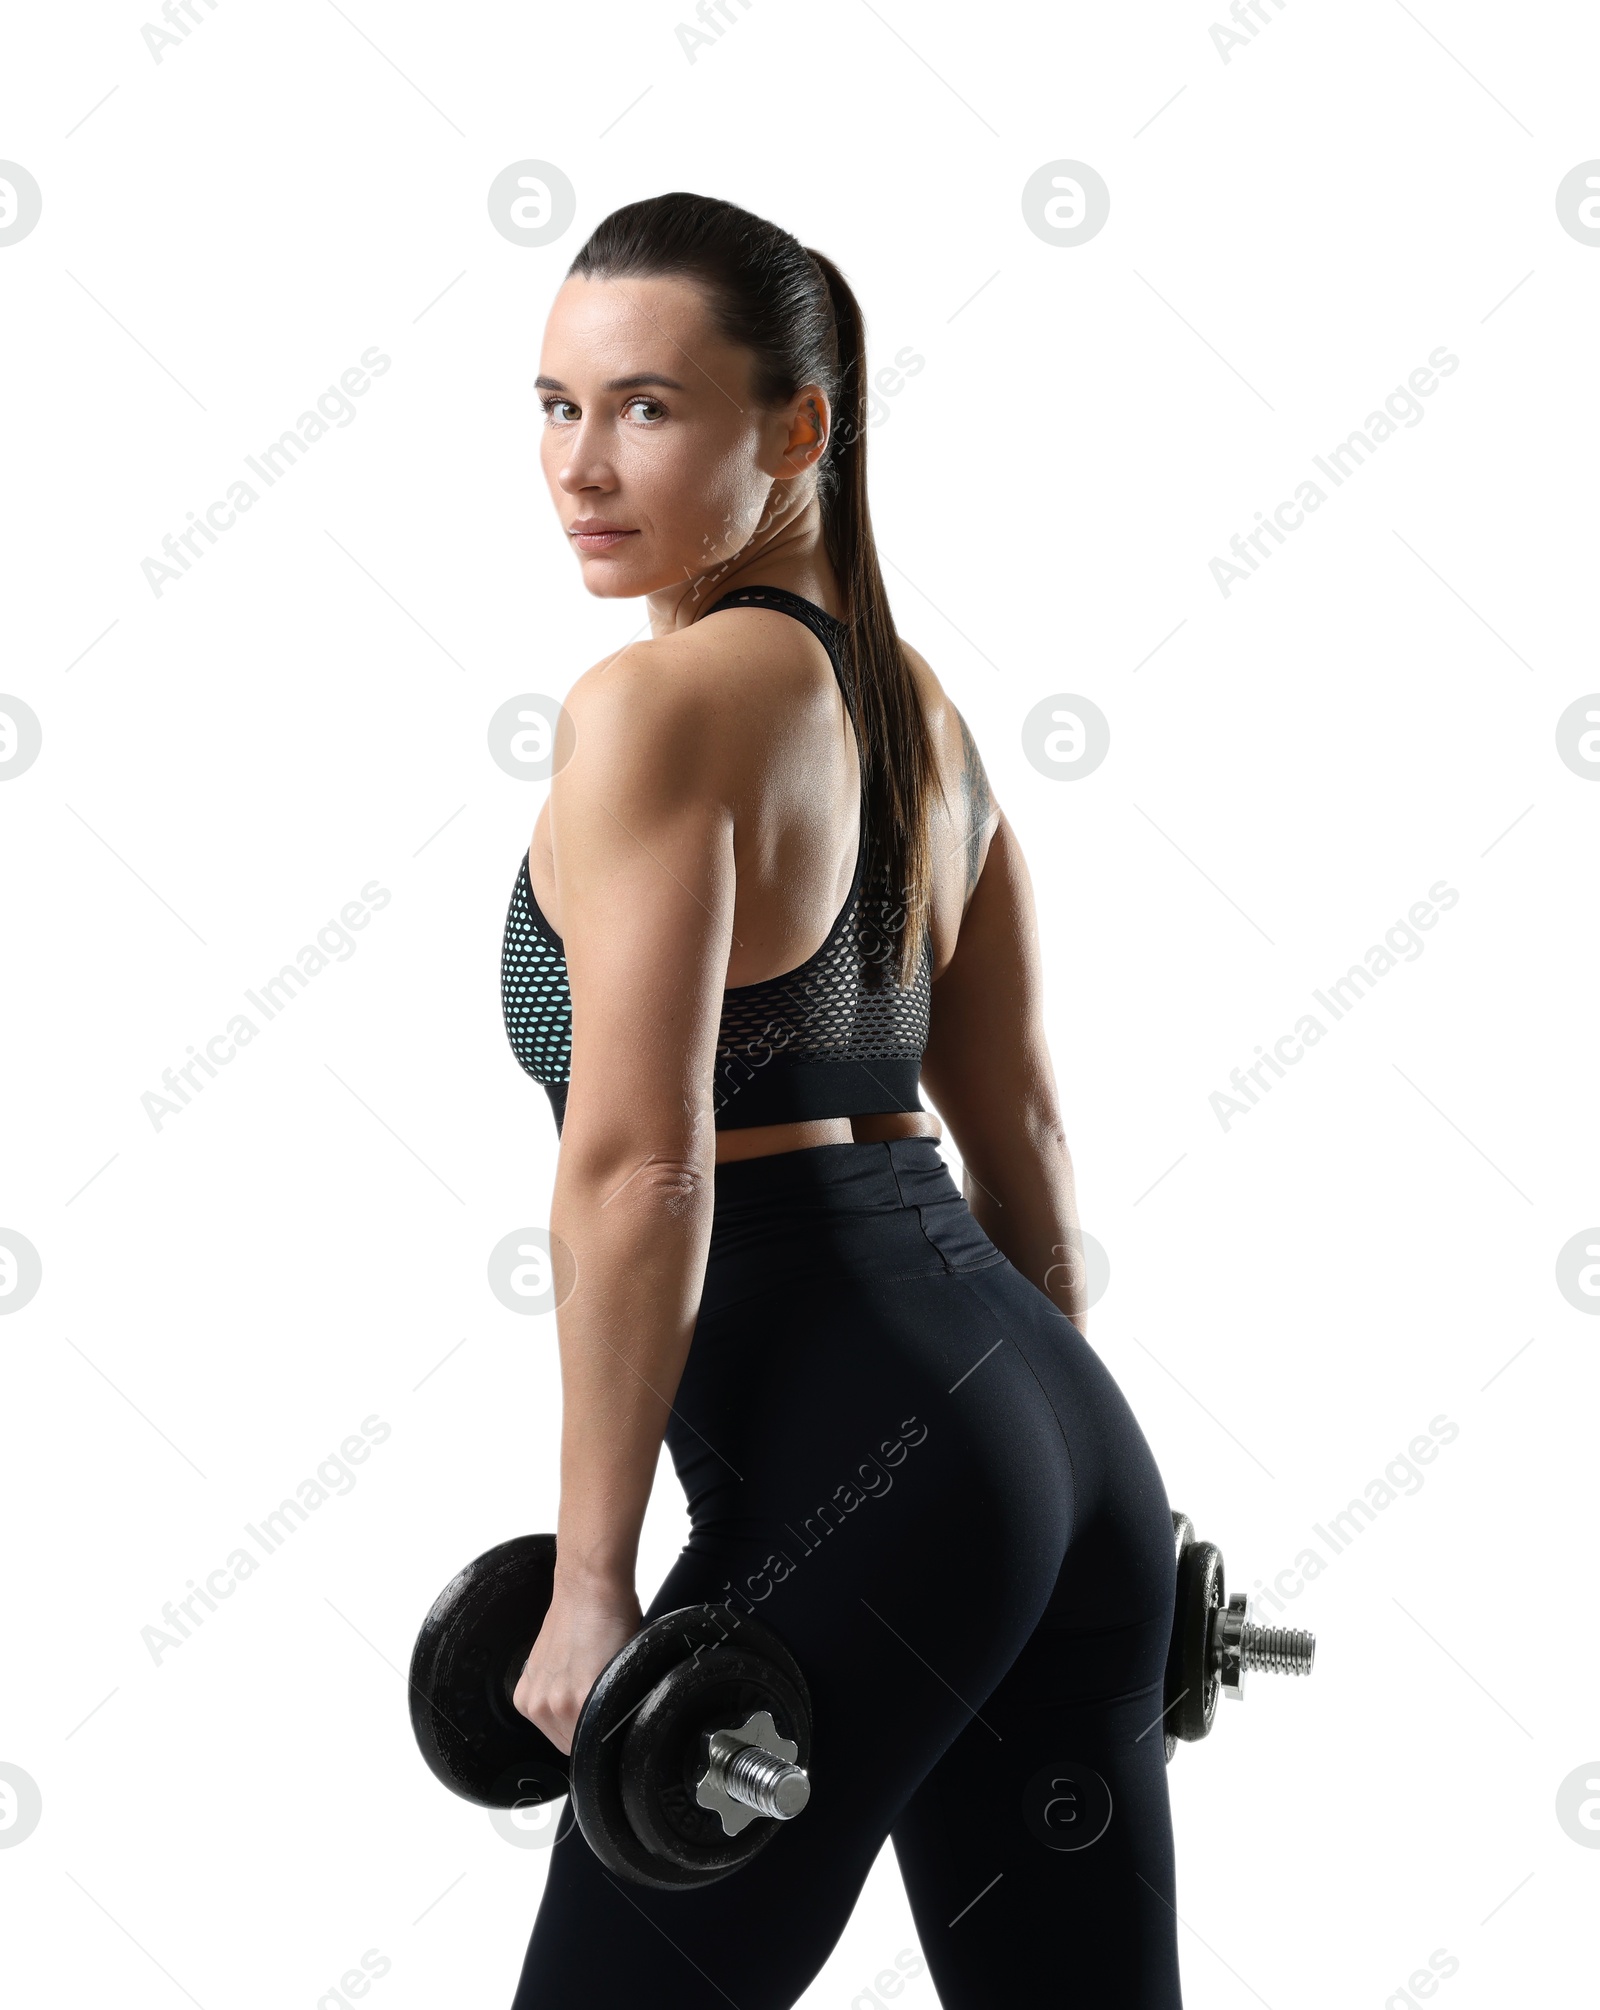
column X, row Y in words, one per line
column 911, row 1465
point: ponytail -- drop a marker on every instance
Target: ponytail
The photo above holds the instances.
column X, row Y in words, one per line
column 897, row 749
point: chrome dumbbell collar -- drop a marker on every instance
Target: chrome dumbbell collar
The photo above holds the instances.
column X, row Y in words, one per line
column 1228, row 1623
column 1236, row 1644
column 750, row 1772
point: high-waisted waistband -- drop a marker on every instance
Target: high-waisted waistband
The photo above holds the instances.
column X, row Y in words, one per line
column 884, row 1209
column 877, row 1174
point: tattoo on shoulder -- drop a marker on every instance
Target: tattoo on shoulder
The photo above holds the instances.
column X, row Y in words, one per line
column 977, row 801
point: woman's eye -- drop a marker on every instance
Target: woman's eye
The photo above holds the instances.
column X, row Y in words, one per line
column 653, row 417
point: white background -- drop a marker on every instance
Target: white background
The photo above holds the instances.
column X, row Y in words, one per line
column 1292, row 1298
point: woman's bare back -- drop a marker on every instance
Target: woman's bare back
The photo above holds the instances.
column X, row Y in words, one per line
column 786, row 767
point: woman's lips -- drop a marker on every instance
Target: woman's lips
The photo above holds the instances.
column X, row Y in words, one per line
column 600, row 540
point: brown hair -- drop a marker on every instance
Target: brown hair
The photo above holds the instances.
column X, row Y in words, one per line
column 793, row 310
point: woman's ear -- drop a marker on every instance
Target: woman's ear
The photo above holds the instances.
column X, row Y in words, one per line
column 807, row 436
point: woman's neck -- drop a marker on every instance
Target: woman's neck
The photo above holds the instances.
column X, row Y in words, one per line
column 790, row 555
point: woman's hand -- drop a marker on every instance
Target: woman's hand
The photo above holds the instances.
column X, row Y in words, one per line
column 586, row 1624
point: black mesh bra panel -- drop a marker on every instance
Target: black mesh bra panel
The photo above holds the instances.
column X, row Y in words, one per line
column 533, row 987
column 837, row 1036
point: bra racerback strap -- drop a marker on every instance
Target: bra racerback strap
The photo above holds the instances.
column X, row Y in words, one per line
column 827, row 628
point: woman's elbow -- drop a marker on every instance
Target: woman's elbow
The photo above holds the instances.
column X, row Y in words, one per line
column 627, row 1161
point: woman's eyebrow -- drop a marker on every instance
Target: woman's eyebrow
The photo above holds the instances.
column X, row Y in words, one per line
column 617, row 383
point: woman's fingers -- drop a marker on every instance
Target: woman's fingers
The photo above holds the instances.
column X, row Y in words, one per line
column 578, row 1637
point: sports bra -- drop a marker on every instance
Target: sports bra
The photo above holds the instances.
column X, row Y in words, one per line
column 837, row 1036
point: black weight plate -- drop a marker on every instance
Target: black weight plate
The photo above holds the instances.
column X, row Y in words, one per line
column 1183, row 1535
column 1192, row 1687
column 665, row 1752
column 619, row 1689
column 464, row 1667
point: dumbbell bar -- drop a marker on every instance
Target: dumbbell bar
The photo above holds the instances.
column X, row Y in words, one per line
column 1214, row 1643
column 691, row 1747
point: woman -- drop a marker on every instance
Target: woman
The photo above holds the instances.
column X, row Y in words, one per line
column 769, row 893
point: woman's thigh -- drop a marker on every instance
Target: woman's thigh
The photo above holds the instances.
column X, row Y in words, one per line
column 1037, row 1853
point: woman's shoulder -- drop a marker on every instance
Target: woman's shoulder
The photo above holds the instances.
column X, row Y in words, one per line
column 954, row 745
column 962, row 811
column 713, row 703
column 688, row 666
column 937, row 708
column 651, row 681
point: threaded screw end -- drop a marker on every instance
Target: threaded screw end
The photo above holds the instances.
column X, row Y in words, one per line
column 766, row 1783
column 1277, row 1650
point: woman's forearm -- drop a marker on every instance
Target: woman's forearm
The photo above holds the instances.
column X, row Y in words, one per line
column 638, row 1242
column 1033, row 1220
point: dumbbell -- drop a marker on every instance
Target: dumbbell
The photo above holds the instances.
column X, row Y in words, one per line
column 1214, row 1644
column 691, row 1748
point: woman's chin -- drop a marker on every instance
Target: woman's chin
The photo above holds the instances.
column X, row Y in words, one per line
column 607, row 579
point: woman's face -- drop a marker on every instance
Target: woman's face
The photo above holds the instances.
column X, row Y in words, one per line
column 650, row 431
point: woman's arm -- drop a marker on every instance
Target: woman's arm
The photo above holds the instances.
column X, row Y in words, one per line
column 644, row 865
column 987, row 1070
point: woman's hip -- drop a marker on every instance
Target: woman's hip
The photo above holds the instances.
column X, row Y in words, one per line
column 848, row 1392
column 866, row 1356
